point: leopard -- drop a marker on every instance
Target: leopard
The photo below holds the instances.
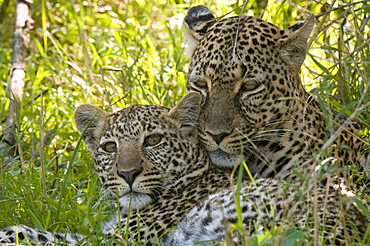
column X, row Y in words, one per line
column 266, row 203
column 149, row 159
column 255, row 108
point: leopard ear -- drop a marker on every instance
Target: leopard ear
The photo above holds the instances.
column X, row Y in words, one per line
column 186, row 112
column 90, row 121
column 293, row 44
column 196, row 23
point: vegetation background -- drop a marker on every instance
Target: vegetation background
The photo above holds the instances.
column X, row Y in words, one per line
column 119, row 53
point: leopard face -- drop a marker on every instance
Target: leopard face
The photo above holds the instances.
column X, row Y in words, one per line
column 254, row 105
column 140, row 150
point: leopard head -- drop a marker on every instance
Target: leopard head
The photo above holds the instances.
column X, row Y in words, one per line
column 140, row 150
column 247, row 71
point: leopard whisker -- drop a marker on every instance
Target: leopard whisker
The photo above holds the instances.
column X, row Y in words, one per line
column 269, row 135
column 255, row 150
column 277, row 130
column 285, row 130
column 265, row 139
column 157, row 191
column 271, row 123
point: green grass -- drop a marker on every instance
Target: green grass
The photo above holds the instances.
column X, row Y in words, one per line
column 120, row 53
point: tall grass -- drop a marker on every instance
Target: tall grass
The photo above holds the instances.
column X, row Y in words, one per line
column 119, row 53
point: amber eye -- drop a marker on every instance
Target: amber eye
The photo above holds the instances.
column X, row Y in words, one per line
column 249, row 87
column 201, row 84
column 110, row 147
column 152, row 140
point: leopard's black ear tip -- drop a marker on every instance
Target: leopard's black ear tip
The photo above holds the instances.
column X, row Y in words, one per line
column 198, row 13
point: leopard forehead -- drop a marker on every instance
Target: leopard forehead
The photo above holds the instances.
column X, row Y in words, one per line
column 248, row 31
column 134, row 120
column 235, row 46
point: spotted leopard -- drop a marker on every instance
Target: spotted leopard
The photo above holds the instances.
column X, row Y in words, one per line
column 267, row 203
column 254, row 105
column 148, row 156
column 151, row 156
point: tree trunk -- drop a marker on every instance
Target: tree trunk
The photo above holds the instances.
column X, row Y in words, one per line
column 23, row 24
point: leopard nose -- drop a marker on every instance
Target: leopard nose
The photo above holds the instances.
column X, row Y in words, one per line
column 218, row 137
column 130, row 176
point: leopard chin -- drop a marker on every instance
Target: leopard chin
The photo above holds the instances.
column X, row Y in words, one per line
column 222, row 159
column 135, row 200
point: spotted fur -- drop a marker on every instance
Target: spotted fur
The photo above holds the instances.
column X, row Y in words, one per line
column 161, row 180
column 267, row 203
column 152, row 156
column 254, row 105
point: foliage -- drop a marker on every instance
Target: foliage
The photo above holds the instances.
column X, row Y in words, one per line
column 120, row 53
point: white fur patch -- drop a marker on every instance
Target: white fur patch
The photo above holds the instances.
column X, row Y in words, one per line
column 138, row 201
column 222, row 159
column 190, row 42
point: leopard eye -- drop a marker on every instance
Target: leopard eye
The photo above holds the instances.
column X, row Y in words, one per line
column 110, row 147
column 249, row 87
column 152, row 140
column 201, row 84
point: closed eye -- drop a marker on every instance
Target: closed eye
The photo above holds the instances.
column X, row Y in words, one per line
column 200, row 84
column 249, row 87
